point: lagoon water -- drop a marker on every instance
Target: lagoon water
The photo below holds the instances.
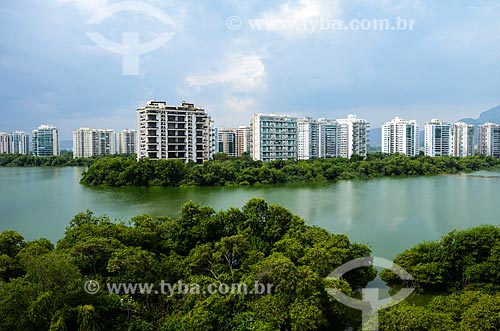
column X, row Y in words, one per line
column 389, row 214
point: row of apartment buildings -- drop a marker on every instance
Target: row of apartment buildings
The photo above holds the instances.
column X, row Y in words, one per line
column 187, row 132
column 86, row 142
column 45, row 141
column 441, row 138
column 89, row 142
column 281, row 137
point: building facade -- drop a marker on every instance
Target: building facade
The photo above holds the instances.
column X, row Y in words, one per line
column 84, row 143
column 46, row 141
column 329, row 138
column 174, row 132
column 354, row 136
column 462, row 139
column 437, row 138
column 489, row 140
column 243, row 140
column 126, row 142
column 89, row 142
column 227, row 141
column 19, row 143
column 4, row 143
column 308, row 138
column 401, row 136
column 274, row 137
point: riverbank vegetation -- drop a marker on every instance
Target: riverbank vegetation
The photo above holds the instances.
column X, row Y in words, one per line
column 64, row 160
column 226, row 171
column 42, row 286
column 46, row 287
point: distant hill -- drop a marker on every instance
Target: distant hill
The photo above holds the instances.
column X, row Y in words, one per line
column 492, row 115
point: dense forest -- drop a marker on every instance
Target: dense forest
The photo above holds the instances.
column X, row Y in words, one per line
column 223, row 170
column 42, row 285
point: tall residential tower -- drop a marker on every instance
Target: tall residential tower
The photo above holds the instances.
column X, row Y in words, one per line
column 489, row 139
column 274, row 137
column 354, row 136
column 46, row 141
column 174, row 132
column 437, row 138
column 401, row 136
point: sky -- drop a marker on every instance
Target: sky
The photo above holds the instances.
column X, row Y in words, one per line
column 296, row 62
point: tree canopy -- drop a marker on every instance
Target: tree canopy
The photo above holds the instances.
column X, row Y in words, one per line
column 224, row 170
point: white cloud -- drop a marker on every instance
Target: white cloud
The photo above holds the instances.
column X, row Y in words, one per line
column 87, row 6
column 296, row 17
column 243, row 72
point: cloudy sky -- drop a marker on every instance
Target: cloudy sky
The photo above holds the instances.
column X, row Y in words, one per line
column 296, row 62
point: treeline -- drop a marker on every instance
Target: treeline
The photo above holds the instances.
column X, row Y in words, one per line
column 225, row 171
column 42, row 286
column 465, row 267
column 64, row 160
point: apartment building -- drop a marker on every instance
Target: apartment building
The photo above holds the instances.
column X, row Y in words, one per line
column 19, row 143
column 462, row 139
column 181, row 132
column 329, row 138
column 227, row 141
column 46, row 141
column 126, row 142
column 489, row 140
column 308, row 138
column 437, row 138
column 353, row 136
column 274, row 137
column 4, row 143
column 401, row 136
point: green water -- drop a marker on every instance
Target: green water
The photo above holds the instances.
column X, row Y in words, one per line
column 390, row 215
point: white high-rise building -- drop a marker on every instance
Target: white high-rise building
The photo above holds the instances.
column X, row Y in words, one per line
column 274, row 137
column 243, row 140
column 126, row 142
column 437, row 138
column 4, row 143
column 354, row 136
column 181, row 132
column 19, row 143
column 308, row 138
column 462, row 139
column 84, row 143
column 401, row 136
column 89, row 142
column 227, row 141
column 106, row 140
column 329, row 138
column 489, row 139
column 46, row 141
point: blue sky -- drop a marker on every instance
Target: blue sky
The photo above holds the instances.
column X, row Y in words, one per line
column 447, row 67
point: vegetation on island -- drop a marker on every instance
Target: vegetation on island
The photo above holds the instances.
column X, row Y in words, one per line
column 43, row 285
column 227, row 171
